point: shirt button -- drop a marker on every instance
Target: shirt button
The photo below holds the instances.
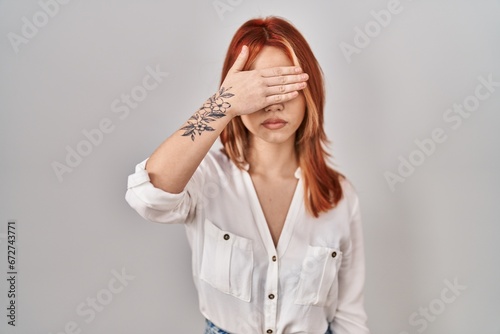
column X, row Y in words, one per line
column 271, row 296
column 274, row 258
column 269, row 331
column 334, row 254
column 226, row 236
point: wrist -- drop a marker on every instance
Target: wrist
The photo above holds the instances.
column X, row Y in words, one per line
column 231, row 112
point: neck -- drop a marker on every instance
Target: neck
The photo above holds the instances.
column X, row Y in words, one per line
column 272, row 160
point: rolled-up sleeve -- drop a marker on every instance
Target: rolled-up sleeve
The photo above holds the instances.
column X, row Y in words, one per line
column 350, row 316
column 157, row 205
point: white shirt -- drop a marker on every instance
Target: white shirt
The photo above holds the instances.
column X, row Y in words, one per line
column 313, row 279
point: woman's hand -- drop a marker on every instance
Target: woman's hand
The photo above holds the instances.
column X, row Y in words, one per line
column 254, row 90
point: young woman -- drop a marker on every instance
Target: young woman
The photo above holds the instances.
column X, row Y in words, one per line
column 275, row 233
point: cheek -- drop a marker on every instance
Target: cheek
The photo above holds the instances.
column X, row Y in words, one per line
column 248, row 121
column 298, row 107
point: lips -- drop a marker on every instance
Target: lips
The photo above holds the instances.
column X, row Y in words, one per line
column 274, row 123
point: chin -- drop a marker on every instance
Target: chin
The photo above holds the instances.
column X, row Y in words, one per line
column 275, row 138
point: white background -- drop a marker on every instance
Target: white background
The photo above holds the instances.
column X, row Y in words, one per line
column 440, row 224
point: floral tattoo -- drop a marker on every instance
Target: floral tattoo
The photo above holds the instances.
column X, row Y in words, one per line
column 213, row 109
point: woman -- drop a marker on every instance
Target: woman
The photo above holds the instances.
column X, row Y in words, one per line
column 275, row 233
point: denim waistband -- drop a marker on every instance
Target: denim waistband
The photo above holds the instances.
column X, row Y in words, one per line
column 210, row 328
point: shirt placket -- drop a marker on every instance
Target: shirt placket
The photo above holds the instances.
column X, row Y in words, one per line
column 272, row 278
column 272, row 295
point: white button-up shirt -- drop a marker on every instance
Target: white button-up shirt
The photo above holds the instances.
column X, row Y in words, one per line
column 313, row 280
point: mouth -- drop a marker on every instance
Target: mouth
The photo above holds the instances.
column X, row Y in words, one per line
column 274, row 123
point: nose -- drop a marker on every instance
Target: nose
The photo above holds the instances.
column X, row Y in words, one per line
column 275, row 107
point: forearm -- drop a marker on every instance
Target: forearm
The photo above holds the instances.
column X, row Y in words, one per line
column 173, row 163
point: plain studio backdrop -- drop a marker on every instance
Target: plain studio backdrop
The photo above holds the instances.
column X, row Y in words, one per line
column 88, row 89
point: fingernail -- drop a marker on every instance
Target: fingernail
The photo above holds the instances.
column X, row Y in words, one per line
column 298, row 70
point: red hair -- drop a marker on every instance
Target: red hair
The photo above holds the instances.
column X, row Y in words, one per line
column 321, row 183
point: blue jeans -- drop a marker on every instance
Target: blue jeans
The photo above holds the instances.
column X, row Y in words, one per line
column 212, row 329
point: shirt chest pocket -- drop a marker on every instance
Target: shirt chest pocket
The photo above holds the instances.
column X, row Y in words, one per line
column 227, row 262
column 318, row 276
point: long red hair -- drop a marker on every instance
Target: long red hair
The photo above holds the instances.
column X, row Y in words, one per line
column 322, row 186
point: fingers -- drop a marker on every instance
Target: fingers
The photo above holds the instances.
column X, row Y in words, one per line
column 282, row 89
column 283, row 83
column 241, row 60
column 286, row 79
column 281, row 98
column 279, row 71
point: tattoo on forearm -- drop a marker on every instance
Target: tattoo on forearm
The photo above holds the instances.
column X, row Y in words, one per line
column 213, row 109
